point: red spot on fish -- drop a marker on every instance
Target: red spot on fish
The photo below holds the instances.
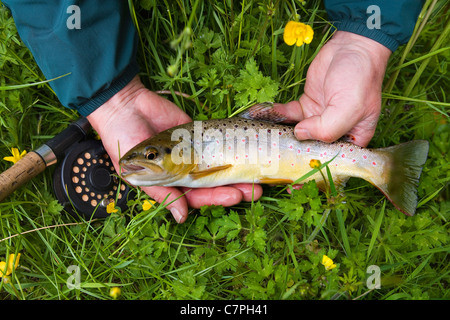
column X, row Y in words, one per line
column 353, row 160
column 279, row 156
column 374, row 163
column 292, row 164
column 342, row 145
column 274, row 144
column 279, row 133
column 270, row 161
column 259, row 148
column 256, row 136
column 237, row 157
column 229, row 148
column 351, row 150
column 321, row 154
column 343, row 156
column 308, row 150
column 217, row 141
column 291, row 147
column 243, row 140
column 298, row 150
column 364, row 156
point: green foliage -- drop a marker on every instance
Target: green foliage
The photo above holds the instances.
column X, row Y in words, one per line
column 253, row 87
column 223, row 56
column 304, row 204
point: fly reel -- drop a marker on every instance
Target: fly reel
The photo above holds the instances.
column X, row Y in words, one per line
column 85, row 181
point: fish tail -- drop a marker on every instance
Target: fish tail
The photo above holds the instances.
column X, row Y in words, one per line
column 402, row 178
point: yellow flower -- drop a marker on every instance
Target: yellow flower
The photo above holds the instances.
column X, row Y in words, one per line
column 328, row 263
column 148, row 204
column 111, row 207
column 12, row 265
column 297, row 33
column 16, row 156
column 115, row 292
column 315, row 164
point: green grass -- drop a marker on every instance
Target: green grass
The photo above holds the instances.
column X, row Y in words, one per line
column 269, row 249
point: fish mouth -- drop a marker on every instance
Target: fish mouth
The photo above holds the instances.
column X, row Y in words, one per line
column 140, row 169
column 131, row 168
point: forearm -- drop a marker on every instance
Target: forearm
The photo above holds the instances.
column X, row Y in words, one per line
column 99, row 58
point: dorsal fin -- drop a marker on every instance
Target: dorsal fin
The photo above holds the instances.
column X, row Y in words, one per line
column 263, row 112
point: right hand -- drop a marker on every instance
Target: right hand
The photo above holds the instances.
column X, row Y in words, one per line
column 342, row 91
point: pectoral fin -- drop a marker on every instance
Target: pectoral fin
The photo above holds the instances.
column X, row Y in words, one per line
column 197, row 174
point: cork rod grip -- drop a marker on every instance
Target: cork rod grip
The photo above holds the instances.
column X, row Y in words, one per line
column 22, row 171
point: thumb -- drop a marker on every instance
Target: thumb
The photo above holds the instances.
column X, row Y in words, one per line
column 330, row 128
column 315, row 128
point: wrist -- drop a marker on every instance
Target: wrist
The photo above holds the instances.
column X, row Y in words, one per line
column 349, row 40
column 117, row 104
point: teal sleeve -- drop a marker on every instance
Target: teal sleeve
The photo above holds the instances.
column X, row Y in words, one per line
column 95, row 44
column 396, row 19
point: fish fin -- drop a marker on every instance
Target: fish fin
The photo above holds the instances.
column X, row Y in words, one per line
column 203, row 173
column 338, row 181
column 400, row 186
column 263, row 112
column 275, row 181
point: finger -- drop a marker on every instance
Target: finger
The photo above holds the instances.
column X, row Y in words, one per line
column 291, row 110
column 178, row 208
column 295, row 187
column 224, row 196
column 363, row 132
column 329, row 126
column 250, row 192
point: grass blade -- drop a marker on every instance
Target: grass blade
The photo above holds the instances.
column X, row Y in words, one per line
column 376, row 231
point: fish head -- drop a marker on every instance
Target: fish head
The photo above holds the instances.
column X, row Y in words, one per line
column 150, row 163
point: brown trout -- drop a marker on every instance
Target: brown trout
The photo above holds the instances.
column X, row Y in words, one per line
column 253, row 149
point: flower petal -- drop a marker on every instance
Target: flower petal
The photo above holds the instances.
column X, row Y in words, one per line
column 299, row 42
column 2, row 268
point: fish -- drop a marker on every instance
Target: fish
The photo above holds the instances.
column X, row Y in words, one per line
column 254, row 147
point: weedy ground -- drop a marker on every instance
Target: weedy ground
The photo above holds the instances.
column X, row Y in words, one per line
column 227, row 55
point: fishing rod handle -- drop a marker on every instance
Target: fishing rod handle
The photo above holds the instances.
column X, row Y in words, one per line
column 21, row 172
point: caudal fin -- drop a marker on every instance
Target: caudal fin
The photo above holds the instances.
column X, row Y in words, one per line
column 407, row 160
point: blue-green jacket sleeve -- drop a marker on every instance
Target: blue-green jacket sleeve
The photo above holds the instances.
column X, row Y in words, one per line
column 396, row 19
column 95, row 44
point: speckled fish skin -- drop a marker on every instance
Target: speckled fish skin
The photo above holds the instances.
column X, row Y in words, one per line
column 277, row 157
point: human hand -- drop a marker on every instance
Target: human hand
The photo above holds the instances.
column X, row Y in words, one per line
column 342, row 91
column 135, row 114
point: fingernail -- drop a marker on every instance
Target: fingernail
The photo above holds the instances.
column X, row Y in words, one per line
column 176, row 214
column 302, row 134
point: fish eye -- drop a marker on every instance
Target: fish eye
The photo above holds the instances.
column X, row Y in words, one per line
column 151, row 155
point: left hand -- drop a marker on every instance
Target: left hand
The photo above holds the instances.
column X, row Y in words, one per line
column 135, row 114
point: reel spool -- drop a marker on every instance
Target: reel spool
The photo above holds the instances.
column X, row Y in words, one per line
column 84, row 182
